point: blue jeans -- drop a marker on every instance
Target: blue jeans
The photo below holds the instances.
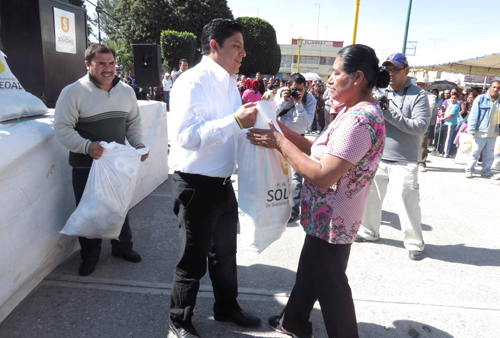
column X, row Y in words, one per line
column 166, row 99
column 486, row 145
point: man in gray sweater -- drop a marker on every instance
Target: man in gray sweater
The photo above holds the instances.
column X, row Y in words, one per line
column 407, row 117
column 97, row 107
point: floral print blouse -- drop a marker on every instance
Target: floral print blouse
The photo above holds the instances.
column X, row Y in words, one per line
column 357, row 136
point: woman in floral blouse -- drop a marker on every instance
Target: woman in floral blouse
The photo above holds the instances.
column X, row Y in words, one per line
column 338, row 169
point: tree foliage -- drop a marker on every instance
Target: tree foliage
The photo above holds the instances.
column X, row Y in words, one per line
column 177, row 45
column 123, row 53
column 263, row 51
column 109, row 26
column 142, row 21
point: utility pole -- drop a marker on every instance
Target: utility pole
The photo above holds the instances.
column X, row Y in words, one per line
column 319, row 11
column 435, row 41
column 407, row 25
column 355, row 25
column 326, row 33
column 291, row 36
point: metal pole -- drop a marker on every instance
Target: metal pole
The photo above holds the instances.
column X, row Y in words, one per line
column 298, row 61
column 98, row 10
column 319, row 11
column 355, row 26
column 407, row 25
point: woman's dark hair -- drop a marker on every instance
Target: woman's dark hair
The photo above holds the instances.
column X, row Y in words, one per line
column 218, row 30
column 363, row 58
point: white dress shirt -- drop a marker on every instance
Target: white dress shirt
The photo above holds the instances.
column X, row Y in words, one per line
column 203, row 102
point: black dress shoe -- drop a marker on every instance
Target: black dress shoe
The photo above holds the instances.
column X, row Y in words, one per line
column 241, row 318
column 274, row 323
column 183, row 330
column 130, row 256
column 415, row 255
column 86, row 268
column 294, row 217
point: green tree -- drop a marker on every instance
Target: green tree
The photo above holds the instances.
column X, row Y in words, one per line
column 177, row 45
column 123, row 53
column 107, row 20
column 263, row 51
column 142, row 21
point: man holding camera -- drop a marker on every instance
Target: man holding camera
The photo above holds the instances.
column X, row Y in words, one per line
column 407, row 114
column 295, row 109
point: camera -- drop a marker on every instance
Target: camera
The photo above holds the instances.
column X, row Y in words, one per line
column 382, row 101
column 294, row 92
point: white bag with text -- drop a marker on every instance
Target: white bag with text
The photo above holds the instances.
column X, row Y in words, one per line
column 264, row 188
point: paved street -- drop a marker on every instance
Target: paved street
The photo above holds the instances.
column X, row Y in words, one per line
column 452, row 292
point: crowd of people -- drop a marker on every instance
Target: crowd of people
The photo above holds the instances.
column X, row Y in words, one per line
column 367, row 139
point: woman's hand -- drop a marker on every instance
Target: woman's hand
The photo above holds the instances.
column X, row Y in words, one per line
column 268, row 138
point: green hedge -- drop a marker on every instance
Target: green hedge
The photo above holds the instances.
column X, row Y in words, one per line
column 177, row 45
column 263, row 51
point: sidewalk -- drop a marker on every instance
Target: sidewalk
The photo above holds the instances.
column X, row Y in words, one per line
column 452, row 292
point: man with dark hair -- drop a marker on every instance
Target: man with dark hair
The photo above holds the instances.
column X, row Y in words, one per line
column 295, row 109
column 183, row 66
column 407, row 117
column 262, row 85
column 483, row 124
column 208, row 107
column 97, row 107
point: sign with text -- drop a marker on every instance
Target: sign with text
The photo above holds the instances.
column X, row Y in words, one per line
column 65, row 31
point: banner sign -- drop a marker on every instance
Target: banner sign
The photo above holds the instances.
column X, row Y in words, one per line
column 65, row 31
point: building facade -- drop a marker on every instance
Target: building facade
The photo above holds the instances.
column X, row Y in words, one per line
column 316, row 56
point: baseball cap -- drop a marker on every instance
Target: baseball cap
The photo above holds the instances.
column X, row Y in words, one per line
column 397, row 59
column 421, row 80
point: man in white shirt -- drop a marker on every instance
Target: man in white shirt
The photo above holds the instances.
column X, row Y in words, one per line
column 203, row 156
column 167, row 85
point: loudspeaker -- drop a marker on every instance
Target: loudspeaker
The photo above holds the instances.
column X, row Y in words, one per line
column 147, row 65
column 45, row 42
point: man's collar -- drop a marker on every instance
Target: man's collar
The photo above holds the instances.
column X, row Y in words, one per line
column 116, row 79
column 219, row 72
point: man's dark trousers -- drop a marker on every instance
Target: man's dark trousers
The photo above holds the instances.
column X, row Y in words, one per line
column 208, row 216
column 91, row 247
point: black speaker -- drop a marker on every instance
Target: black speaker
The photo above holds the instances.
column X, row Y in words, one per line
column 28, row 30
column 147, row 65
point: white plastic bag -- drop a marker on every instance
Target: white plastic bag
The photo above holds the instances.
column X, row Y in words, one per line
column 15, row 102
column 264, row 188
column 464, row 149
column 496, row 152
column 108, row 193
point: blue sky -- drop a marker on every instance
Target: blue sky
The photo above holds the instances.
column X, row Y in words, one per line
column 465, row 29
column 445, row 31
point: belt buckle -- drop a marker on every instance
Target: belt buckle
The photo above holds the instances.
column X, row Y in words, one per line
column 227, row 179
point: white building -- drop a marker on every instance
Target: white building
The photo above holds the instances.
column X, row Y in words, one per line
column 316, row 56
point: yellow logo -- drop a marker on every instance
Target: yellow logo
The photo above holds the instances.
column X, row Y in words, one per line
column 65, row 24
column 283, row 163
column 2, row 67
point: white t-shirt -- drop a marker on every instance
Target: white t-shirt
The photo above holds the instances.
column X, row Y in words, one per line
column 167, row 85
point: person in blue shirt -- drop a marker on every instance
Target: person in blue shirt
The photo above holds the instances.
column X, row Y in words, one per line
column 450, row 120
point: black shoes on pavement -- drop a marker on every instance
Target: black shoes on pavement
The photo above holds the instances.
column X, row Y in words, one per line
column 241, row 318
column 130, row 256
column 86, row 268
column 274, row 323
column 415, row 255
column 183, row 330
column 294, row 217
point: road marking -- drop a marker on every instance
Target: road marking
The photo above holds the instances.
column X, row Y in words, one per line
column 251, row 294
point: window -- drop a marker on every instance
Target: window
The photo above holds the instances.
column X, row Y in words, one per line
column 326, row 60
column 306, row 60
column 286, row 61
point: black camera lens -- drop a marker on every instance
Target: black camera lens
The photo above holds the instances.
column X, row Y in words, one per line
column 294, row 92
